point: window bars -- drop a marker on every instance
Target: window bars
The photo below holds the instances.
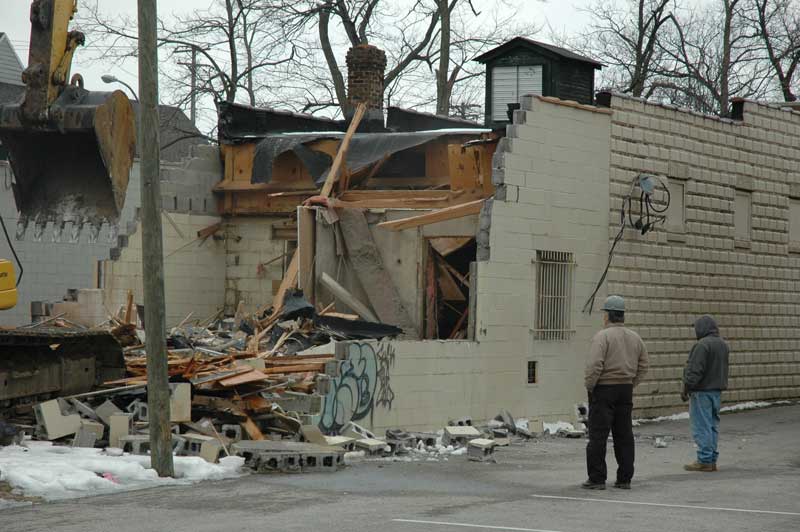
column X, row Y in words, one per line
column 554, row 273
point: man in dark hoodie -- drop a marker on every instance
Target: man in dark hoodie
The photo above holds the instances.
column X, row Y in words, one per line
column 704, row 378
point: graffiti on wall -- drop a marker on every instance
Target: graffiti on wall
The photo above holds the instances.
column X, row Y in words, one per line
column 364, row 382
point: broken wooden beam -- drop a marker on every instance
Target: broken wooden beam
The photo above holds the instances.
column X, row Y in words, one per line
column 341, row 293
column 441, row 215
column 338, row 162
column 209, row 231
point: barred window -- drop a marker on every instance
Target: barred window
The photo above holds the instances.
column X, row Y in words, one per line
column 554, row 272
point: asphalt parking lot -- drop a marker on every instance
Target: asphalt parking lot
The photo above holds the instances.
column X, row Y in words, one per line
column 534, row 487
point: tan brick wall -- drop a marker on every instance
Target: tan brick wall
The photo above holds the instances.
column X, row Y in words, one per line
column 670, row 279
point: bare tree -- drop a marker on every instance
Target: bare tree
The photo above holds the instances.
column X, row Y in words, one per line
column 237, row 45
column 777, row 25
column 428, row 43
column 711, row 55
column 625, row 37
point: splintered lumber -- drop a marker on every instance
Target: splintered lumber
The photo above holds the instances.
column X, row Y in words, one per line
column 299, row 368
column 289, row 280
column 208, row 231
column 129, row 307
column 253, row 375
column 252, row 429
column 448, row 285
column 340, row 293
column 338, row 162
column 442, row 215
column 306, row 231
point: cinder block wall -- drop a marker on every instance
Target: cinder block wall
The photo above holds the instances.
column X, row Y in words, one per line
column 193, row 269
column 251, row 242
column 552, row 176
column 751, row 287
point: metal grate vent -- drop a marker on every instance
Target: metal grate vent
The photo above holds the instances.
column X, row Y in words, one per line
column 554, row 272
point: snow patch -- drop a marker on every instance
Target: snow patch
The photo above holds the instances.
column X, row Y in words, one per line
column 749, row 405
column 54, row 473
column 553, row 428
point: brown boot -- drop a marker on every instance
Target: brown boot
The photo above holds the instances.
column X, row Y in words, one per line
column 697, row 466
column 714, row 466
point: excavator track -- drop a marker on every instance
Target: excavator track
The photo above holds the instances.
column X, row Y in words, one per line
column 43, row 363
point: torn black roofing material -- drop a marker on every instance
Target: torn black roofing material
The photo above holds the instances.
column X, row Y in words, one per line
column 365, row 150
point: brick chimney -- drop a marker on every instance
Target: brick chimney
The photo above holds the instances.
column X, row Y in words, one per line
column 365, row 67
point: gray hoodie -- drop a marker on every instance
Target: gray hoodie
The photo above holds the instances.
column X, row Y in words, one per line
column 707, row 367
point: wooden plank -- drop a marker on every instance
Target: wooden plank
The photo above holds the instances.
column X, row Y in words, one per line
column 441, row 215
column 294, row 361
column 300, row 368
column 406, row 199
column 252, row 429
column 399, row 182
column 448, row 285
column 129, row 307
column 243, row 203
column 448, row 244
column 306, row 245
column 340, row 293
column 463, row 167
column 253, row 375
column 338, row 162
column 209, row 231
column 289, row 281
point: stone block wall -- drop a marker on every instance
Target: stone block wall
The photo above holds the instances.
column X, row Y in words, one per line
column 669, row 278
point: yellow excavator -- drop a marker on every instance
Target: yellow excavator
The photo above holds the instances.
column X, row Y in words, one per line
column 71, row 152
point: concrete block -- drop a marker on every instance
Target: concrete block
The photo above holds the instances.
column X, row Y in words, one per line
column 299, row 402
column 135, row 443
column 348, row 444
column 106, row 410
column 465, row 421
column 371, row 445
column 232, row 432
column 85, row 437
column 459, row 435
column 312, row 434
column 353, row 430
column 289, row 457
column 119, row 426
column 481, row 450
column 52, row 424
column 139, row 410
column 83, row 409
column 180, row 402
column 206, row 447
column 93, row 426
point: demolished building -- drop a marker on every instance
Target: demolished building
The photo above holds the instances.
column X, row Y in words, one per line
column 486, row 245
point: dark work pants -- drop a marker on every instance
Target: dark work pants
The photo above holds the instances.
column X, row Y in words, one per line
column 610, row 407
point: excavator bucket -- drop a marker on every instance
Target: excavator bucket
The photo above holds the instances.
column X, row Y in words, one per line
column 74, row 165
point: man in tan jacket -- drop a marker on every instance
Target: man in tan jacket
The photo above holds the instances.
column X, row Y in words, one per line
column 617, row 363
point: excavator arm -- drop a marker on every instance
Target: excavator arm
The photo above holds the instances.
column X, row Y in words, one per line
column 71, row 150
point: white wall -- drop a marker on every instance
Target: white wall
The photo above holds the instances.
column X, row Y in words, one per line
column 552, row 174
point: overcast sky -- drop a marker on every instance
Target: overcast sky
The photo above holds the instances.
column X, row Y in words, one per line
column 562, row 15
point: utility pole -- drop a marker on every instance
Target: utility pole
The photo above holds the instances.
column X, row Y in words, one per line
column 152, row 246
